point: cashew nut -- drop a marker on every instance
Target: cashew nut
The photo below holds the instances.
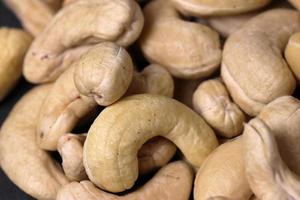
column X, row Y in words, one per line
column 67, row 37
column 29, row 167
column 222, row 175
column 292, row 54
column 295, row 3
column 14, row 43
column 253, row 68
column 217, row 7
column 187, row 49
column 211, row 100
column 110, row 151
column 173, row 182
column 267, row 174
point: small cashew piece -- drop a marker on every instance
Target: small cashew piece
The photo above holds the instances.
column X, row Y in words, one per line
column 14, row 44
column 67, row 37
column 222, row 174
column 292, row 54
column 217, row 7
column 253, row 68
column 29, row 167
column 187, row 49
column 113, row 141
column 211, row 100
column 268, row 175
column 172, row 182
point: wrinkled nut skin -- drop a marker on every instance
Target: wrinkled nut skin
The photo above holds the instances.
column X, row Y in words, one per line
column 70, row 148
column 217, row 7
column 212, row 101
column 33, row 14
column 188, row 50
column 253, row 68
column 61, row 111
column 14, row 43
column 292, row 54
column 222, row 174
column 154, row 79
column 66, row 38
column 282, row 116
column 110, row 151
column 29, row 167
column 172, row 182
column 104, row 73
column 267, row 174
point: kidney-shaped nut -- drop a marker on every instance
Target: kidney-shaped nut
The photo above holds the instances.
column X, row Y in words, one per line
column 154, row 79
column 76, row 27
column 253, row 68
column 268, row 175
column 211, row 100
column 29, row 167
column 113, row 141
column 222, row 174
column 186, row 49
column 217, row 7
column 292, row 54
column 104, row 73
column 172, row 182
column 14, row 44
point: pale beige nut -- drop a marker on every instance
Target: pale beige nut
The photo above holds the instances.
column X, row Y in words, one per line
column 268, row 175
column 154, row 79
column 173, row 182
column 217, row 7
column 34, row 15
column 187, row 49
column 14, row 44
column 212, row 101
column 253, row 68
column 295, row 3
column 77, row 27
column 222, row 175
column 29, row 167
column 110, row 151
column 292, row 54
column 68, row 2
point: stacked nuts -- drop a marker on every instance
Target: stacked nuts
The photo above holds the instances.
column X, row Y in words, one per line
column 230, row 132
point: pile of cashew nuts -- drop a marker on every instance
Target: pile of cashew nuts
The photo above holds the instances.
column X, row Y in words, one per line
column 153, row 100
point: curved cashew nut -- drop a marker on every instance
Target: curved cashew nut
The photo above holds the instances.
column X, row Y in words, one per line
column 211, row 100
column 268, row 175
column 172, row 182
column 217, row 7
column 253, row 68
column 66, row 37
column 29, row 167
column 222, row 174
column 14, row 45
column 188, row 50
column 110, row 151
column 292, row 53
column 154, row 79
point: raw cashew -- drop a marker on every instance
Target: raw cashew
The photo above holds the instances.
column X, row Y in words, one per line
column 154, row 79
column 211, row 100
column 173, row 182
column 70, row 148
column 295, row 3
column 110, row 151
column 268, row 175
column 74, row 29
column 29, row 167
column 217, row 7
column 34, row 14
column 292, row 54
column 253, row 68
column 222, row 174
column 14, row 44
column 187, row 49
